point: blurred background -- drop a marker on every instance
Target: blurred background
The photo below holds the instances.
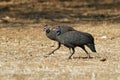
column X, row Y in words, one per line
column 59, row 11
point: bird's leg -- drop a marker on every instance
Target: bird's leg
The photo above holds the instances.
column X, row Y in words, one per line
column 73, row 51
column 88, row 54
column 59, row 44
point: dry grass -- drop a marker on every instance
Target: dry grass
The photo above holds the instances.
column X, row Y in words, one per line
column 23, row 43
column 22, row 51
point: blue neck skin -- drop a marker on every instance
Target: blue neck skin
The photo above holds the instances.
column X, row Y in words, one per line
column 58, row 31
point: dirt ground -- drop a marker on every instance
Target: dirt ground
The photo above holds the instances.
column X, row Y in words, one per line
column 23, row 44
column 22, row 55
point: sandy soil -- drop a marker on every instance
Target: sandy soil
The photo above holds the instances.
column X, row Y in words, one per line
column 23, row 42
column 22, row 53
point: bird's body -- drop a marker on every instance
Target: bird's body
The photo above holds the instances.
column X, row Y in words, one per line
column 70, row 38
column 51, row 34
column 73, row 39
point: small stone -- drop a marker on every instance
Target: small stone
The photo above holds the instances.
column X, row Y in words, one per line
column 103, row 59
column 103, row 37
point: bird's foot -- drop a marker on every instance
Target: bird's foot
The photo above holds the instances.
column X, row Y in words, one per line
column 69, row 58
column 46, row 56
column 89, row 57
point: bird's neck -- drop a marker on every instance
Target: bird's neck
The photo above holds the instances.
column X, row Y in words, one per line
column 58, row 31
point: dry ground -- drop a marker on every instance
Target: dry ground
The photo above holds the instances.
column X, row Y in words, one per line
column 23, row 43
column 22, row 51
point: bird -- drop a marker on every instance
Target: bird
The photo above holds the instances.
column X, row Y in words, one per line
column 74, row 39
column 51, row 34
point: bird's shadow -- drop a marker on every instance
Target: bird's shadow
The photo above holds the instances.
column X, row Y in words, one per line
column 83, row 58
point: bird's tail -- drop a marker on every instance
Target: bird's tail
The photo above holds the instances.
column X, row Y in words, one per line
column 92, row 47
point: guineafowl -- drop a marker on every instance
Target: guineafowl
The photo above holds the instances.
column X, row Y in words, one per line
column 73, row 39
column 51, row 34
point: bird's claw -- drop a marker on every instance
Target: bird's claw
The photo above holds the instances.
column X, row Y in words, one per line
column 46, row 56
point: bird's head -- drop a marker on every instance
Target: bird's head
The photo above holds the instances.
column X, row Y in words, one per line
column 46, row 29
column 58, row 30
